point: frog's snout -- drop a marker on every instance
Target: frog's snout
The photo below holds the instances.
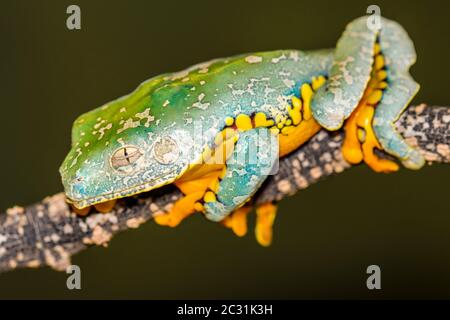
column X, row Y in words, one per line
column 77, row 188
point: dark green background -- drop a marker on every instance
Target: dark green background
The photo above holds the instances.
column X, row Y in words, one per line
column 325, row 236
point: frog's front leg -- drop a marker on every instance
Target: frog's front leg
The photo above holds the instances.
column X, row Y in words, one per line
column 253, row 159
column 229, row 175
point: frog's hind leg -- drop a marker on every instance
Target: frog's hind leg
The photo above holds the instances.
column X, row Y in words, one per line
column 348, row 76
column 360, row 140
column 388, row 93
column 400, row 55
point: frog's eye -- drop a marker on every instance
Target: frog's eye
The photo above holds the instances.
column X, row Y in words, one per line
column 125, row 157
column 165, row 150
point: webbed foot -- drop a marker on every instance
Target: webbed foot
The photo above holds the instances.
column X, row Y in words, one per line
column 105, row 207
column 360, row 140
column 81, row 212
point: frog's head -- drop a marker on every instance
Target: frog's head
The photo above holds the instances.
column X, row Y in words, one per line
column 113, row 158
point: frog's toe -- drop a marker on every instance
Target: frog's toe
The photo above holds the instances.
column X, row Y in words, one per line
column 414, row 160
column 360, row 141
column 105, row 207
column 81, row 212
column 265, row 217
column 237, row 220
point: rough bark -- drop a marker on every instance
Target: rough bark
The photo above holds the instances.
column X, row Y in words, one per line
column 48, row 233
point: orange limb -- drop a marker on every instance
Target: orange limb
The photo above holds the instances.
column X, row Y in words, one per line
column 183, row 208
column 194, row 185
column 360, row 140
column 265, row 217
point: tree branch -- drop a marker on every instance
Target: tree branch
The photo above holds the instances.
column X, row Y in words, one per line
column 48, row 233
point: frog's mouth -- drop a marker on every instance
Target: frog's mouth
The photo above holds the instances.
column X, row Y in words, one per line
column 158, row 182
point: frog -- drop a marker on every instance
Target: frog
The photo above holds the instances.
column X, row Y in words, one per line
column 216, row 130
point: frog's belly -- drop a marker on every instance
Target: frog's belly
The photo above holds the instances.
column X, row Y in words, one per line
column 297, row 135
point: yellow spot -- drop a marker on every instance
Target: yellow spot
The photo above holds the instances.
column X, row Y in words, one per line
column 243, row 122
column 224, row 135
column 379, row 62
column 296, row 102
column 209, row 197
column 294, row 111
column 317, row 82
column 261, row 120
column 376, row 49
column 280, row 120
column 274, row 130
column 229, row 121
column 306, row 93
column 382, row 85
column 288, row 122
column 375, row 97
column 381, row 75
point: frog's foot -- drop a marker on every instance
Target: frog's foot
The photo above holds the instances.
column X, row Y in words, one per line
column 105, row 207
column 360, row 140
column 81, row 212
column 237, row 220
column 182, row 208
column 265, row 217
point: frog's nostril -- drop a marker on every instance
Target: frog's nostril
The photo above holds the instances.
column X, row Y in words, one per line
column 78, row 188
column 78, row 179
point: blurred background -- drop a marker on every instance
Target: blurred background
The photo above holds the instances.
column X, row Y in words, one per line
column 325, row 236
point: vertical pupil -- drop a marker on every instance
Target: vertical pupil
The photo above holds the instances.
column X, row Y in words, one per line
column 126, row 155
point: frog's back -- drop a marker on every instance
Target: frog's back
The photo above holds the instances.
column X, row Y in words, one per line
column 258, row 82
column 206, row 93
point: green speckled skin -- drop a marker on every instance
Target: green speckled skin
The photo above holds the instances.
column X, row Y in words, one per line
column 190, row 108
column 172, row 105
